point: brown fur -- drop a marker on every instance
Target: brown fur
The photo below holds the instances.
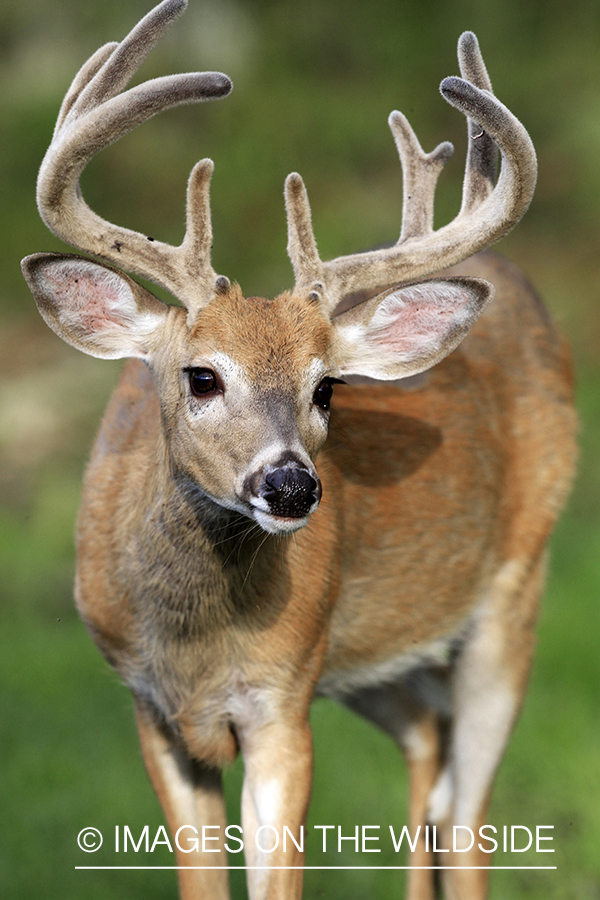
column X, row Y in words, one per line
column 224, row 633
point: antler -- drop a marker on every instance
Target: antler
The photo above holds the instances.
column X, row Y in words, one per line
column 95, row 113
column 488, row 211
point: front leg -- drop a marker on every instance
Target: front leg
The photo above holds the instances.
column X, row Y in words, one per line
column 190, row 794
column 278, row 761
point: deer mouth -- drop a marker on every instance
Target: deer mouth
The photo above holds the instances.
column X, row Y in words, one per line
column 275, row 524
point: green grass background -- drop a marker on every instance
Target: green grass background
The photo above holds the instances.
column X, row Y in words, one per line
column 314, row 83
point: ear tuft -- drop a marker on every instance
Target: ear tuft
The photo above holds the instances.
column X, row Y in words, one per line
column 409, row 329
column 92, row 307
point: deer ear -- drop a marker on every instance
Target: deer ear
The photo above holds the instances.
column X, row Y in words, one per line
column 92, row 307
column 408, row 329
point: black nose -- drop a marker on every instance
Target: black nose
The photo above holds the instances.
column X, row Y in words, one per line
column 290, row 491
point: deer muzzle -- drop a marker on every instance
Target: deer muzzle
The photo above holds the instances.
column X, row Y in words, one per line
column 286, row 490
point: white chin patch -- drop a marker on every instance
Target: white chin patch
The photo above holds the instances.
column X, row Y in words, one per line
column 278, row 524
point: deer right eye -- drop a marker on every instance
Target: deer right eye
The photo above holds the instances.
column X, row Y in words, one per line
column 202, row 381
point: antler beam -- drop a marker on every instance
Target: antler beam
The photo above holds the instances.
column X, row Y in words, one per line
column 94, row 114
column 488, row 211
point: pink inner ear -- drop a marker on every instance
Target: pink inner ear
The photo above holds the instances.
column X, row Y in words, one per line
column 89, row 298
column 417, row 321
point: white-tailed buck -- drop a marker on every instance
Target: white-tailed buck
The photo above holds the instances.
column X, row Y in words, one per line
column 244, row 546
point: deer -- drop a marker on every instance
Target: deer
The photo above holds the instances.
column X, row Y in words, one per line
column 247, row 541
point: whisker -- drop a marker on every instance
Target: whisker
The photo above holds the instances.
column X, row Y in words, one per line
column 252, row 561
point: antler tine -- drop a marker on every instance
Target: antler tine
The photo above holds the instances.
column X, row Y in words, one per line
column 130, row 53
column 81, row 80
column 94, row 114
column 302, row 247
column 482, row 152
column 420, row 172
column 197, row 242
column 487, row 213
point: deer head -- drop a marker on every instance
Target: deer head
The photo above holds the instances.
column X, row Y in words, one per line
column 245, row 384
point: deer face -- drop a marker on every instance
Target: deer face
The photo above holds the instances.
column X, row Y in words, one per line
column 246, row 403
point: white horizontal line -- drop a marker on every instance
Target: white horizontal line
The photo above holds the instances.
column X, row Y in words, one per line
column 326, row 868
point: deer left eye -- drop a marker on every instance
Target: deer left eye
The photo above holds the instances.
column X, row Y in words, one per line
column 323, row 394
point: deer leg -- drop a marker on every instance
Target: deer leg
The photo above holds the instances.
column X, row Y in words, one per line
column 190, row 795
column 418, row 731
column 278, row 763
column 488, row 686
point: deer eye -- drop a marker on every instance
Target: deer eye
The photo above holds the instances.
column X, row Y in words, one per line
column 202, row 381
column 323, row 394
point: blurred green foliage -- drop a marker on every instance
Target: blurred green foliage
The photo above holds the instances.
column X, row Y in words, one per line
column 314, row 83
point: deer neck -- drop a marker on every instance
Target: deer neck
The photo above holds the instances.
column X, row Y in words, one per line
column 201, row 567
